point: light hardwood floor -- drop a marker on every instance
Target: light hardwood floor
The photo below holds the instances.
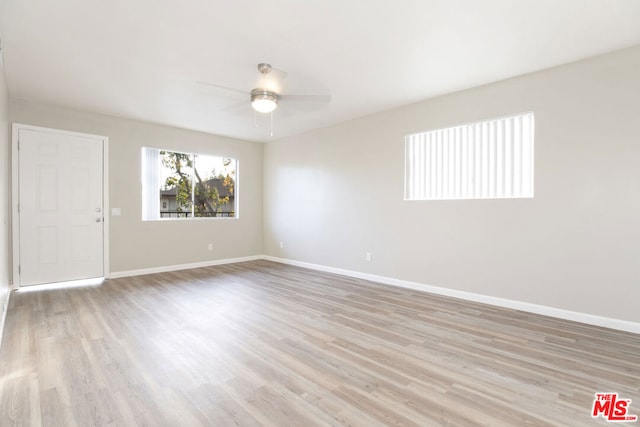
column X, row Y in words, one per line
column 261, row 343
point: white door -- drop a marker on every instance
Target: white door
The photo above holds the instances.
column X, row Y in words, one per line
column 60, row 207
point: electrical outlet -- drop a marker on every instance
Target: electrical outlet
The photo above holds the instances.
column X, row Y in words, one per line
column 210, row 246
column 367, row 256
column 281, row 245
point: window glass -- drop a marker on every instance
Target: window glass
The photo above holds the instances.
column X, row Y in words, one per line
column 187, row 185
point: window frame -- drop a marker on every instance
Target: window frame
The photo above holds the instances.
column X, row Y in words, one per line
column 190, row 216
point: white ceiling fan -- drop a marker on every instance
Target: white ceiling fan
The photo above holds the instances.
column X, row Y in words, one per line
column 273, row 90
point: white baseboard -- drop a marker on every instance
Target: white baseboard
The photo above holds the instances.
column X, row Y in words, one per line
column 164, row 269
column 590, row 319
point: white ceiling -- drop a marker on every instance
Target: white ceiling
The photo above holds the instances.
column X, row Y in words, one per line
column 147, row 59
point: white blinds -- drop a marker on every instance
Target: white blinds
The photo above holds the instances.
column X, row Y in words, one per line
column 150, row 184
column 483, row 160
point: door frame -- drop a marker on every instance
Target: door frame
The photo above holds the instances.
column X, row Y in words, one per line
column 15, row 194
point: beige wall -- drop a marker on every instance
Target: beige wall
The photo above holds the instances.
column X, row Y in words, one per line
column 5, row 197
column 334, row 194
column 135, row 244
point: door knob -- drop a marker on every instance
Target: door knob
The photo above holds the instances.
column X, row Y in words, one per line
column 98, row 219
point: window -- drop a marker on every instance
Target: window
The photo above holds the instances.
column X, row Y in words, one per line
column 187, row 185
column 491, row 159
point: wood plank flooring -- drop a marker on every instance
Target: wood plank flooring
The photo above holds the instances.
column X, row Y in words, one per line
column 261, row 343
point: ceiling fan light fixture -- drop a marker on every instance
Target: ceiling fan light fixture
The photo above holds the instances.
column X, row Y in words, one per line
column 264, row 101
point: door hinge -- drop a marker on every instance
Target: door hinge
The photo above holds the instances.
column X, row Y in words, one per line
column 19, row 269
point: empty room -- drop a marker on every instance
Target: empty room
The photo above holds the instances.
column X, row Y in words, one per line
column 336, row 213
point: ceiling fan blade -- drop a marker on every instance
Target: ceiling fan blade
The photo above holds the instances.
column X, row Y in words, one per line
column 214, row 89
column 278, row 73
column 321, row 99
column 236, row 107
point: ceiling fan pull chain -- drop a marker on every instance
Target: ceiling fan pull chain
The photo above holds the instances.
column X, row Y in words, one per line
column 272, row 123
